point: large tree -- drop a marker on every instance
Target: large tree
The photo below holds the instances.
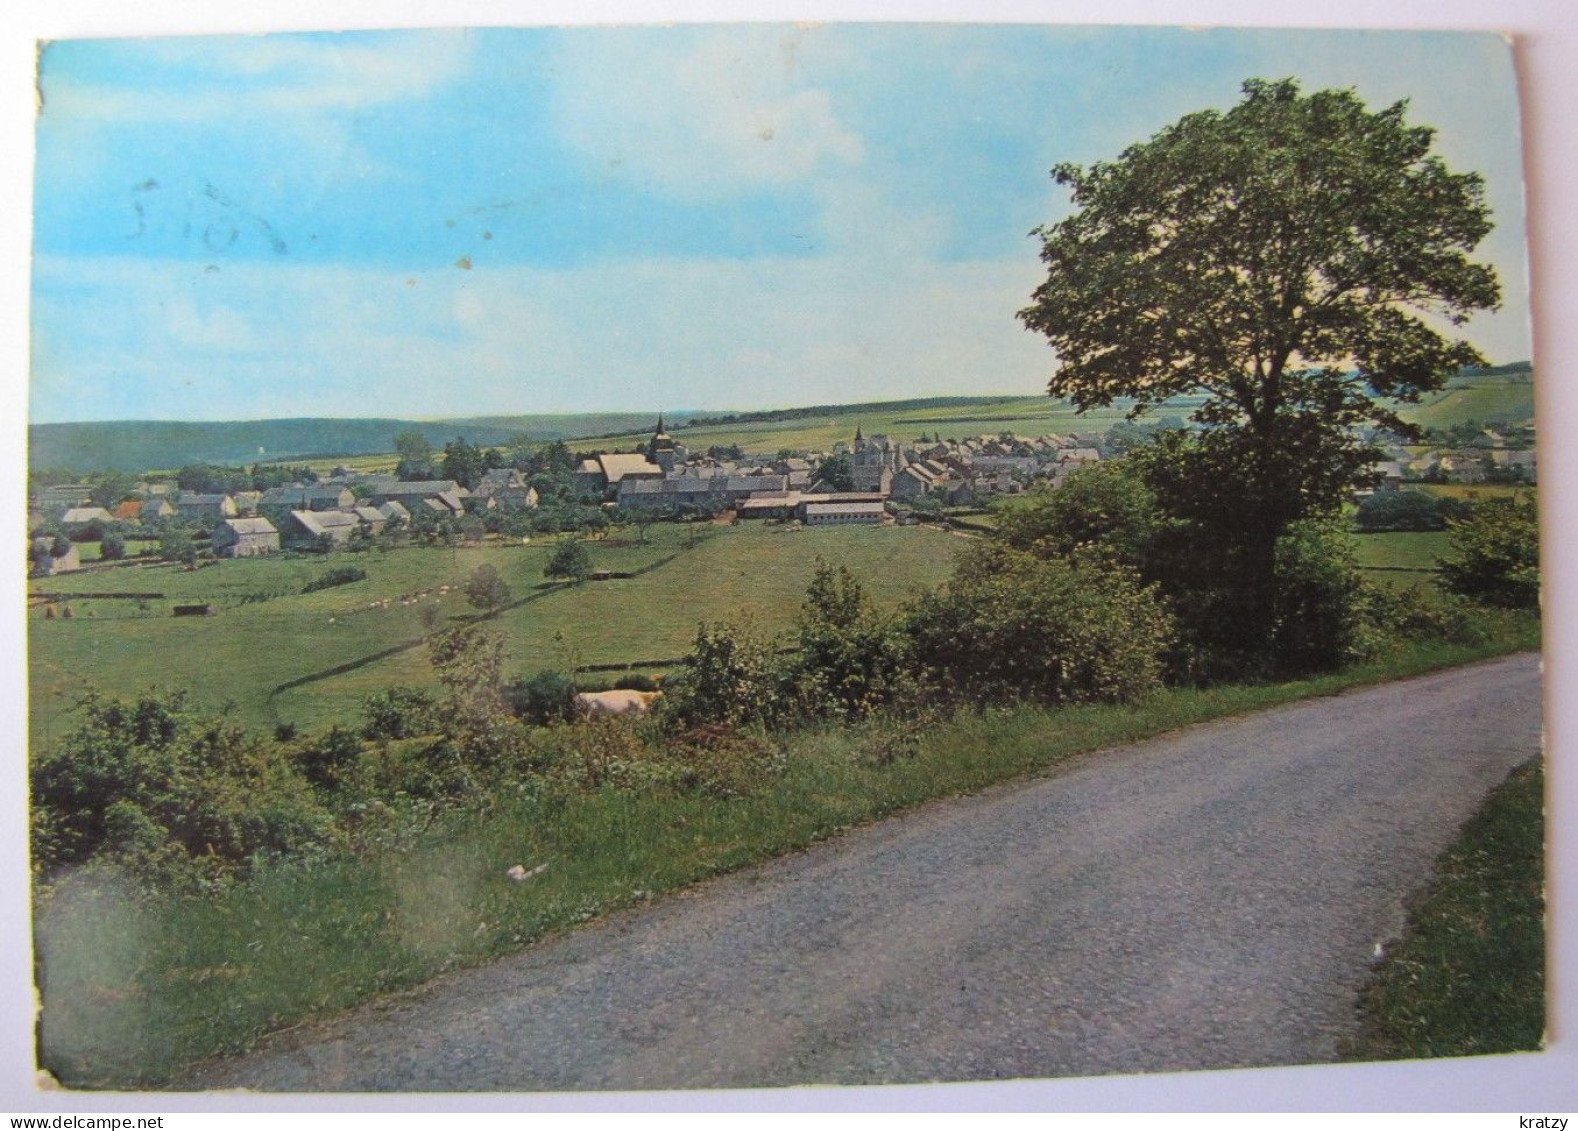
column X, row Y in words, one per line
column 1299, row 260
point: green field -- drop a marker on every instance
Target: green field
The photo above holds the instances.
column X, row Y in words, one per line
column 1026, row 416
column 1400, row 560
column 266, row 632
column 1505, row 396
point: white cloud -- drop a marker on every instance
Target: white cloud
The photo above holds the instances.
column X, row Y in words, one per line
column 700, row 114
column 278, row 75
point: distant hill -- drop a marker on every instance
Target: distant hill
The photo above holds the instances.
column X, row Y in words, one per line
column 143, row 445
column 1503, row 392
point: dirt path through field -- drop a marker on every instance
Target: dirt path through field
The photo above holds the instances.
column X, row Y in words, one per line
column 1211, row 898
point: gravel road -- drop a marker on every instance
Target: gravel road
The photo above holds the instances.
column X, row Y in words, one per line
column 1212, row 898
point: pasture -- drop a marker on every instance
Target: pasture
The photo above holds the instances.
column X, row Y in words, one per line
column 279, row 655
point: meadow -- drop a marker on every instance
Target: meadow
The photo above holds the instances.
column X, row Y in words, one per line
column 279, row 655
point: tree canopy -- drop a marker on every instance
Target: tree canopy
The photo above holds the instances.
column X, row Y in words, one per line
column 1293, row 255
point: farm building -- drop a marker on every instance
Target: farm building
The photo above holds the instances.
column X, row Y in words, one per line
column 309, row 526
column 81, row 516
column 245, row 538
column 828, row 514
column 316, row 497
column 155, row 509
column 192, row 505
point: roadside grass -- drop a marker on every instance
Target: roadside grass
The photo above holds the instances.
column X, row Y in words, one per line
column 134, row 992
column 1468, row 975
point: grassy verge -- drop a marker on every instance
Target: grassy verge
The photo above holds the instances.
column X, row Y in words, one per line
column 1468, row 976
column 133, row 991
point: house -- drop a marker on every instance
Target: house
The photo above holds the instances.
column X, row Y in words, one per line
column 81, row 516
column 441, row 496
column 191, row 505
column 316, row 497
column 312, row 526
column 155, row 509
column 245, row 538
column 505, row 489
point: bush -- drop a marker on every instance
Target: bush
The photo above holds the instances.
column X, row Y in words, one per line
column 1406, row 511
column 1320, row 608
column 328, row 760
column 112, row 547
column 400, row 712
column 1495, row 555
column 849, row 659
column 1106, row 504
column 485, row 589
column 570, row 561
column 729, row 678
column 546, row 698
column 177, row 797
column 340, row 575
column 1011, row 625
column 722, row 761
column 635, row 681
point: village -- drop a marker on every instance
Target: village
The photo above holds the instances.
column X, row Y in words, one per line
column 869, row 480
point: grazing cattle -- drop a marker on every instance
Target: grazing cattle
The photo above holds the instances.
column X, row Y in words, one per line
column 588, row 703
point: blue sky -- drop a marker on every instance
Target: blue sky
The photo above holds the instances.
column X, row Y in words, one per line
column 456, row 223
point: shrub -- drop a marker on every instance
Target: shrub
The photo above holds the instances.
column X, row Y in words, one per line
column 570, row 561
column 1011, row 625
column 1406, row 510
column 546, row 698
column 721, row 761
column 327, row 760
column 729, row 677
column 485, row 589
column 340, row 575
column 112, row 547
column 400, row 712
column 849, row 658
column 635, row 681
column 1495, row 555
column 1319, row 610
column 176, row 796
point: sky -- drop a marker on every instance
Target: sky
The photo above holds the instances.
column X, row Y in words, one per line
column 456, row 223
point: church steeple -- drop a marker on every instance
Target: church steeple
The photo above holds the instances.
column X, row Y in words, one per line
column 660, row 424
column 858, row 437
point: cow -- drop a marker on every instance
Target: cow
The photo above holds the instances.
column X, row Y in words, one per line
column 620, row 702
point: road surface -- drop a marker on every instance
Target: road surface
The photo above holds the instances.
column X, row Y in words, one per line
column 1211, row 898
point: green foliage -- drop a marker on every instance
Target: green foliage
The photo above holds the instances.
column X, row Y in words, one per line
column 485, row 589
column 400, row 712
column 329, row 758
column 416, row 455
column 1407, row 510
column 570, row 561
column 1011, row 625
column 542, row 700
column 339, row 575
column 838, row 472
column 1284, row 260
column 1290, row 230
column 176, row 797
column 112, row 547
column 849, row 660
column 729, row 678
column 1321, row 611
column 1107, row 504
column 1495, row 554
column 176, row 545
column 720, row 761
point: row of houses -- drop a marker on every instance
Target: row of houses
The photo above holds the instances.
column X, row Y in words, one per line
column 1457, row 465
